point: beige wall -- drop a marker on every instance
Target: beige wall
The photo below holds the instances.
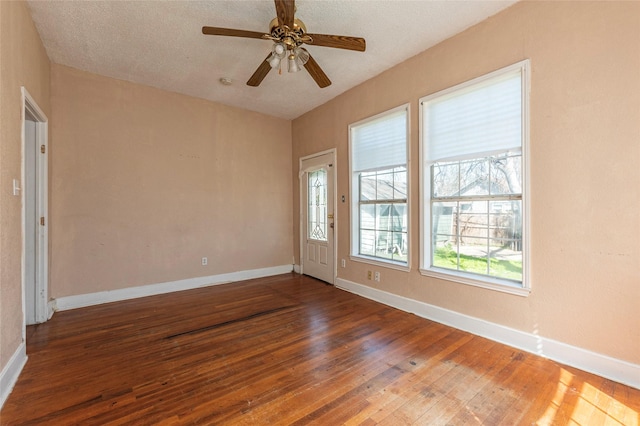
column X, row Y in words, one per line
column 145, row 183
column 23, row 62
column 585, row 174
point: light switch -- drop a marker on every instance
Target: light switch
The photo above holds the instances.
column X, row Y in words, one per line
column 16, row 187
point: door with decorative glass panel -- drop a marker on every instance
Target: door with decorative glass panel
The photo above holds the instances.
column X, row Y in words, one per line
column 317, row 231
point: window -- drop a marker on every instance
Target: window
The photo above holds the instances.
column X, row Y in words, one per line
column 379, row 188
column 474, row 167
column 317, row 205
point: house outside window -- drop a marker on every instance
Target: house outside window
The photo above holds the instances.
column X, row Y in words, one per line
column 379, row 188
column 474, row 164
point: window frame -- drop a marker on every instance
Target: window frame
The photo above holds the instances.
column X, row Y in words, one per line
column 354, row 193
column 487, row 282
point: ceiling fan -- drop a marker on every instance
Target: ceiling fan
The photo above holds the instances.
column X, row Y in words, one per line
column 288, row 35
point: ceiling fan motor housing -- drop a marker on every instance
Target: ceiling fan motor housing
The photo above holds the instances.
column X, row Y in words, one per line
column 291, row 37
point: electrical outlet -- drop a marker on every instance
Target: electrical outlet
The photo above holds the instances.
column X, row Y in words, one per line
column 204, row 261
column 369, row 275
column 376, row 276
column 344, row 263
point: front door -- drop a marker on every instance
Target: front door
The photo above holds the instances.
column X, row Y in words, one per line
column 317, row 176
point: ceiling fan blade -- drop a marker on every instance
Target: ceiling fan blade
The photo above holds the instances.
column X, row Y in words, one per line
column 285, row 10
column 316, row 72
column 231, row 32
column 260, row 73
column 340, row 42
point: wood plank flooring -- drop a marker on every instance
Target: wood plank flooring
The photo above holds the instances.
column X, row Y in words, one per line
column 290, row 350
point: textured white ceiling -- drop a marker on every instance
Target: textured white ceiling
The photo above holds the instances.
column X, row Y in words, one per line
column 160, row 43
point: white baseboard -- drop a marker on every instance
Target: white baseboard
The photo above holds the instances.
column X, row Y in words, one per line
column 297, row 268
column 11, row 372
column 90, row 299
column 592, row 362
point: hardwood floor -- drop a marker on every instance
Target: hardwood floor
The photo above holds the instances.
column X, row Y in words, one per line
column 290, row 350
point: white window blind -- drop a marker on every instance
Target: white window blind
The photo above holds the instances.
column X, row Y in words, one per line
column 380, row 143
column 483, row 118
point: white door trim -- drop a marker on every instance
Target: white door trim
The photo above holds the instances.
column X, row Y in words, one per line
column 42, row 310
column 301, row 227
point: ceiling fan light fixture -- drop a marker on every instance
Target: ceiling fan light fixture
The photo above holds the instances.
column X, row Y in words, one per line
column 274, row 61
column 278, row 48
column 293, row 65
column 278, row 53
column 302, row 56
column 297, row 58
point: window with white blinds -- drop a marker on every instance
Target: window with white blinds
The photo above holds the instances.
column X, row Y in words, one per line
column 380, row 142
column 481, row 119
column 474, row 196
column 379, row 188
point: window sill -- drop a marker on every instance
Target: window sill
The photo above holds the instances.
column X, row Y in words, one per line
column 384, row 264
column 473, row 280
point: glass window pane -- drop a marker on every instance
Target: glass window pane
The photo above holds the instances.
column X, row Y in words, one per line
column 367, row 186
column 445, row 254
column 388, row 219
column 445, row 178
column 443, row 218
column 400, row 246
column 506, row 259
column 474, row 177
column 368, row 216
column 383, row 231
column 506, row 175
column 473, row 255
column 385, row 217
column 473, row 219
column 505, row 219
column 384, row 244
column 367, row 242
column 400, row 183
column 400, row 218
column 317, row 205
column 384, row 186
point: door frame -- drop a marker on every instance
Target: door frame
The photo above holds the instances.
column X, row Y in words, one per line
column 42, row 308
column 302, row 191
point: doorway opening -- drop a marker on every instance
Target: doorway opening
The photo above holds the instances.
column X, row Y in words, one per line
column 35, row 257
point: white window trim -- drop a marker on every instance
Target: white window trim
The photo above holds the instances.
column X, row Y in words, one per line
column 354, row 205
column 425, row 227
column 382, row 263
